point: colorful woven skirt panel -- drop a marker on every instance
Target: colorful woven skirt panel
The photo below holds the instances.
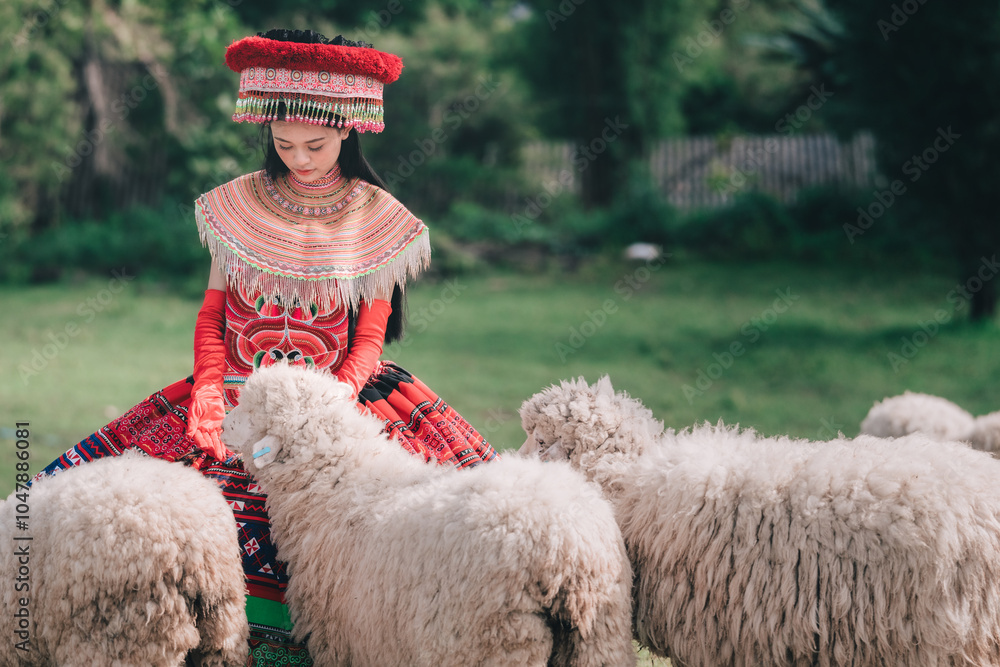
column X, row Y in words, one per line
column 413, row 414
column 422, row 423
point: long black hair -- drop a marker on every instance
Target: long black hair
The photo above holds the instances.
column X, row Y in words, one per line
column 352, row 165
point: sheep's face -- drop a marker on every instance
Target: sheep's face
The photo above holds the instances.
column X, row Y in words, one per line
column 985, row 434
column 273, row 414
column 542, row 443
column 584, row 423
column 242, row 434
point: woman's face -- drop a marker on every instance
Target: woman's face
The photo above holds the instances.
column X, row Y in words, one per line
column 309, row 151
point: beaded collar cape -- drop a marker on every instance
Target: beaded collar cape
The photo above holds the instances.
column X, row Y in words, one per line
column 331, row 241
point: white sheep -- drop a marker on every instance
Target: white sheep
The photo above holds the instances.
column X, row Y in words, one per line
column 768, row 551
column 126, row 561
column 393, row 561
column 935, row 417
column 985, row 435
column 912, row 412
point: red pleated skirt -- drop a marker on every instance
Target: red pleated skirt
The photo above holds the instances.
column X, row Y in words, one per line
column 413, row 414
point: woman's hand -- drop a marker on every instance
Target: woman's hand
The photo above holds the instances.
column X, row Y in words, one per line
column 208, row 407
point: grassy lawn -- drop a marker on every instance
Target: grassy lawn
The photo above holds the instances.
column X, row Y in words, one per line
column 782, row 348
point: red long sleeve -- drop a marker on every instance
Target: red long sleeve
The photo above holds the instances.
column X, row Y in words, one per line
column 207, row 402
column 209, row 336
column 369, row 334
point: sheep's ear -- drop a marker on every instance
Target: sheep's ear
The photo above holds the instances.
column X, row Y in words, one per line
column 265, row 450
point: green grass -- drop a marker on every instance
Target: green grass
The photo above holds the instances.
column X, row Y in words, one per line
column 490, row 342
column 487, row 343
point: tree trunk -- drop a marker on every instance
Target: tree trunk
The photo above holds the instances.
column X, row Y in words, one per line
column 603, row 176
column 984, row 302
column 977, row 251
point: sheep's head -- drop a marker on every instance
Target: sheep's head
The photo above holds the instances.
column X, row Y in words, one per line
column 985, row 434
column 586, row 424
column 913, row 412
column 282, row 407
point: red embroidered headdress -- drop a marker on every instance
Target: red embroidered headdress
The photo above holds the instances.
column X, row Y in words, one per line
column 313, row 80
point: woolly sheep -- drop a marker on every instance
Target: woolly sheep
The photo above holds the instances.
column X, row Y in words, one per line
column 911, row 412
column 985, row 434
column 769, row 551
column 132, row 561
column 935, row 417
column 396, row 562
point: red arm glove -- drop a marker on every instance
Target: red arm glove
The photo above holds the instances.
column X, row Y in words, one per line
column 369, row 333
column 208, row 407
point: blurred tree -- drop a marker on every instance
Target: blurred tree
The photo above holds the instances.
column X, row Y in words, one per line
column 106, row 104
column 920, row 75
column 364, row 20
column 454, row 121
column 37, row 111
column 750, row 78
column 360, row 20
column 604, row 75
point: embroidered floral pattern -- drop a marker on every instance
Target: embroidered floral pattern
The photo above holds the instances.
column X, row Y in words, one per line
column 261, row 331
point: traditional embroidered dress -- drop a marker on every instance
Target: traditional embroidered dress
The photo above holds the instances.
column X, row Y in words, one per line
column 296, row 256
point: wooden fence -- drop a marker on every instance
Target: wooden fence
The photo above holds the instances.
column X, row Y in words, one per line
column 691, row 172
column 705, row 172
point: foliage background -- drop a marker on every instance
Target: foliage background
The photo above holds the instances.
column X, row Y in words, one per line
column 115, row 116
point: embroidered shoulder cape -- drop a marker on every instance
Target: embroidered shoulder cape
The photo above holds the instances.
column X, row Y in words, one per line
column 332, row 241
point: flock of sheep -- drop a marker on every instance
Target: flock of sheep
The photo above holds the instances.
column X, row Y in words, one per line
column 711, row 546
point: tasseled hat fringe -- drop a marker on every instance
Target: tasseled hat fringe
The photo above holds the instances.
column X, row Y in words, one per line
column 363, row 114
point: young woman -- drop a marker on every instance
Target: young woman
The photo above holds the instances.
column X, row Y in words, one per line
column 310, row 257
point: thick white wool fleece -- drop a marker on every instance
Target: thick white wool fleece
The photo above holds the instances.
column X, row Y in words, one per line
column 911, row 412
column 985, row 434
column 607, row 429
column 751, row 550
column 396, row 562
column 133, row 561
